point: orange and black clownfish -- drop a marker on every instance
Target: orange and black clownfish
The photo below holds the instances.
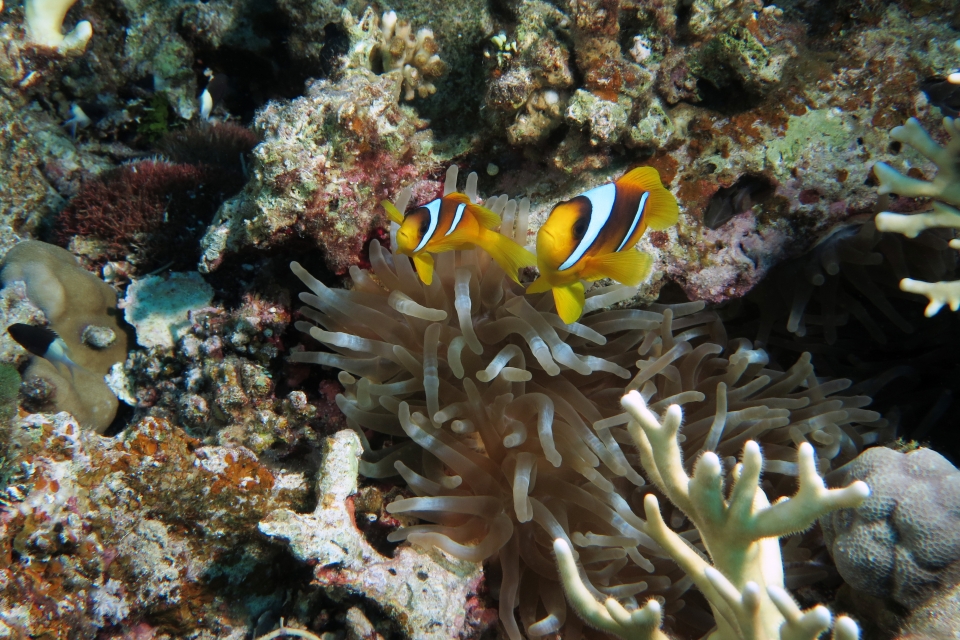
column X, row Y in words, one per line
column 593, row 235
column 454, row 222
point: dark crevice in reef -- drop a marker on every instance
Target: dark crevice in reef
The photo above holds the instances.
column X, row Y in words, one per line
column 256, row 77
column 728, row 98
column 737, row 198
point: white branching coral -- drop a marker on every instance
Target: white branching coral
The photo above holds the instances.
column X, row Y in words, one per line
column 944, row 189
column 388, row 45
column 506, row 423
column 744, row 584
column 43, row 22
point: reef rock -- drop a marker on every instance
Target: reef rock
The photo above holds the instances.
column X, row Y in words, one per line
column 327, row 160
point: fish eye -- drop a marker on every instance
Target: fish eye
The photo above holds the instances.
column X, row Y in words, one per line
column 579, row 228
column 423, row 227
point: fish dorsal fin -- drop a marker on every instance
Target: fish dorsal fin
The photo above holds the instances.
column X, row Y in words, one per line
column 484, row 216
column 392, row 212
column 627, row 267
column 661, row 209
column 424, row 264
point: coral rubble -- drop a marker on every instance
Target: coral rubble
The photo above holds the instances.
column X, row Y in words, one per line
column 431, row 595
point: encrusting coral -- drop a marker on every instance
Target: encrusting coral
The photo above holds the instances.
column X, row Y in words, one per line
column 506, row 422
column 944, row 189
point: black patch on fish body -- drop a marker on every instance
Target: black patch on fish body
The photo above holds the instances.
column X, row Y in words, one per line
column 218, row 88
column 36, row 340
column 943, row 94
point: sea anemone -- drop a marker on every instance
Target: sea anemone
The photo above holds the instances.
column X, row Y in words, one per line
column 506, row 423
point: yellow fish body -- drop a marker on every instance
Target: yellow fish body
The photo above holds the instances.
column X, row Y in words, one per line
column 592, row 236
column 450, row 223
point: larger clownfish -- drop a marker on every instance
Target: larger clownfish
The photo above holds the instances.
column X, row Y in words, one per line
column 450, row 223
column 593, row 235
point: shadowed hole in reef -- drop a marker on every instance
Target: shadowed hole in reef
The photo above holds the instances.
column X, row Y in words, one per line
column 730, row 97
column 256, row 77
column 737, row 198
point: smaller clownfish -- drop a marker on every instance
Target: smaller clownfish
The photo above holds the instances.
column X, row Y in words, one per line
column 450, row 223
column 593, row 235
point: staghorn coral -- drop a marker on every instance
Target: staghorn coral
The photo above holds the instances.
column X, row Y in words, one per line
column 944, row 189
column 506, row 422
column 744, row 582
column 43, row 22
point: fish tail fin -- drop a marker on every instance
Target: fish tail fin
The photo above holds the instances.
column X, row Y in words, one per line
column 569, row 299
column 662, row 210
column 392, row 212
column 628, row 267
column 508, row 254
column 424, row 265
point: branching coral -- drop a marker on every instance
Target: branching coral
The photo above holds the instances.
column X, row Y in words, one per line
column 744, row 585
column 43, row 21
column 389, row 44
column 506, row 423
column 944, row 189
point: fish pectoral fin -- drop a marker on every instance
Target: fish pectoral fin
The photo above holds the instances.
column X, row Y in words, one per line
column 508, row 254
column 539, row 286
column 627, row 267
column 569, row 300
column 392, row 212
column 424, row 265
column 661, row 210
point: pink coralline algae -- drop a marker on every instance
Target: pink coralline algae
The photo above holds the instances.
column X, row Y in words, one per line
column 327, row 160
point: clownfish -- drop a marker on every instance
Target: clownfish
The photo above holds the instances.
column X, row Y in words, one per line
column 592, row 236
column 44, row 343
column 454, row 222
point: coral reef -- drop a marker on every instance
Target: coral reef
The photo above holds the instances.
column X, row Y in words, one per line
column 389, row 45
column 78, row 306
column 478, row 410
column 159, row 308
column 944, row 189
column 417, row 358
column 148, row 214
column 132, row 531
column 43, row 22
column 326, row 161
column 903, row 542
column 744, row 583
column 432, row 596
